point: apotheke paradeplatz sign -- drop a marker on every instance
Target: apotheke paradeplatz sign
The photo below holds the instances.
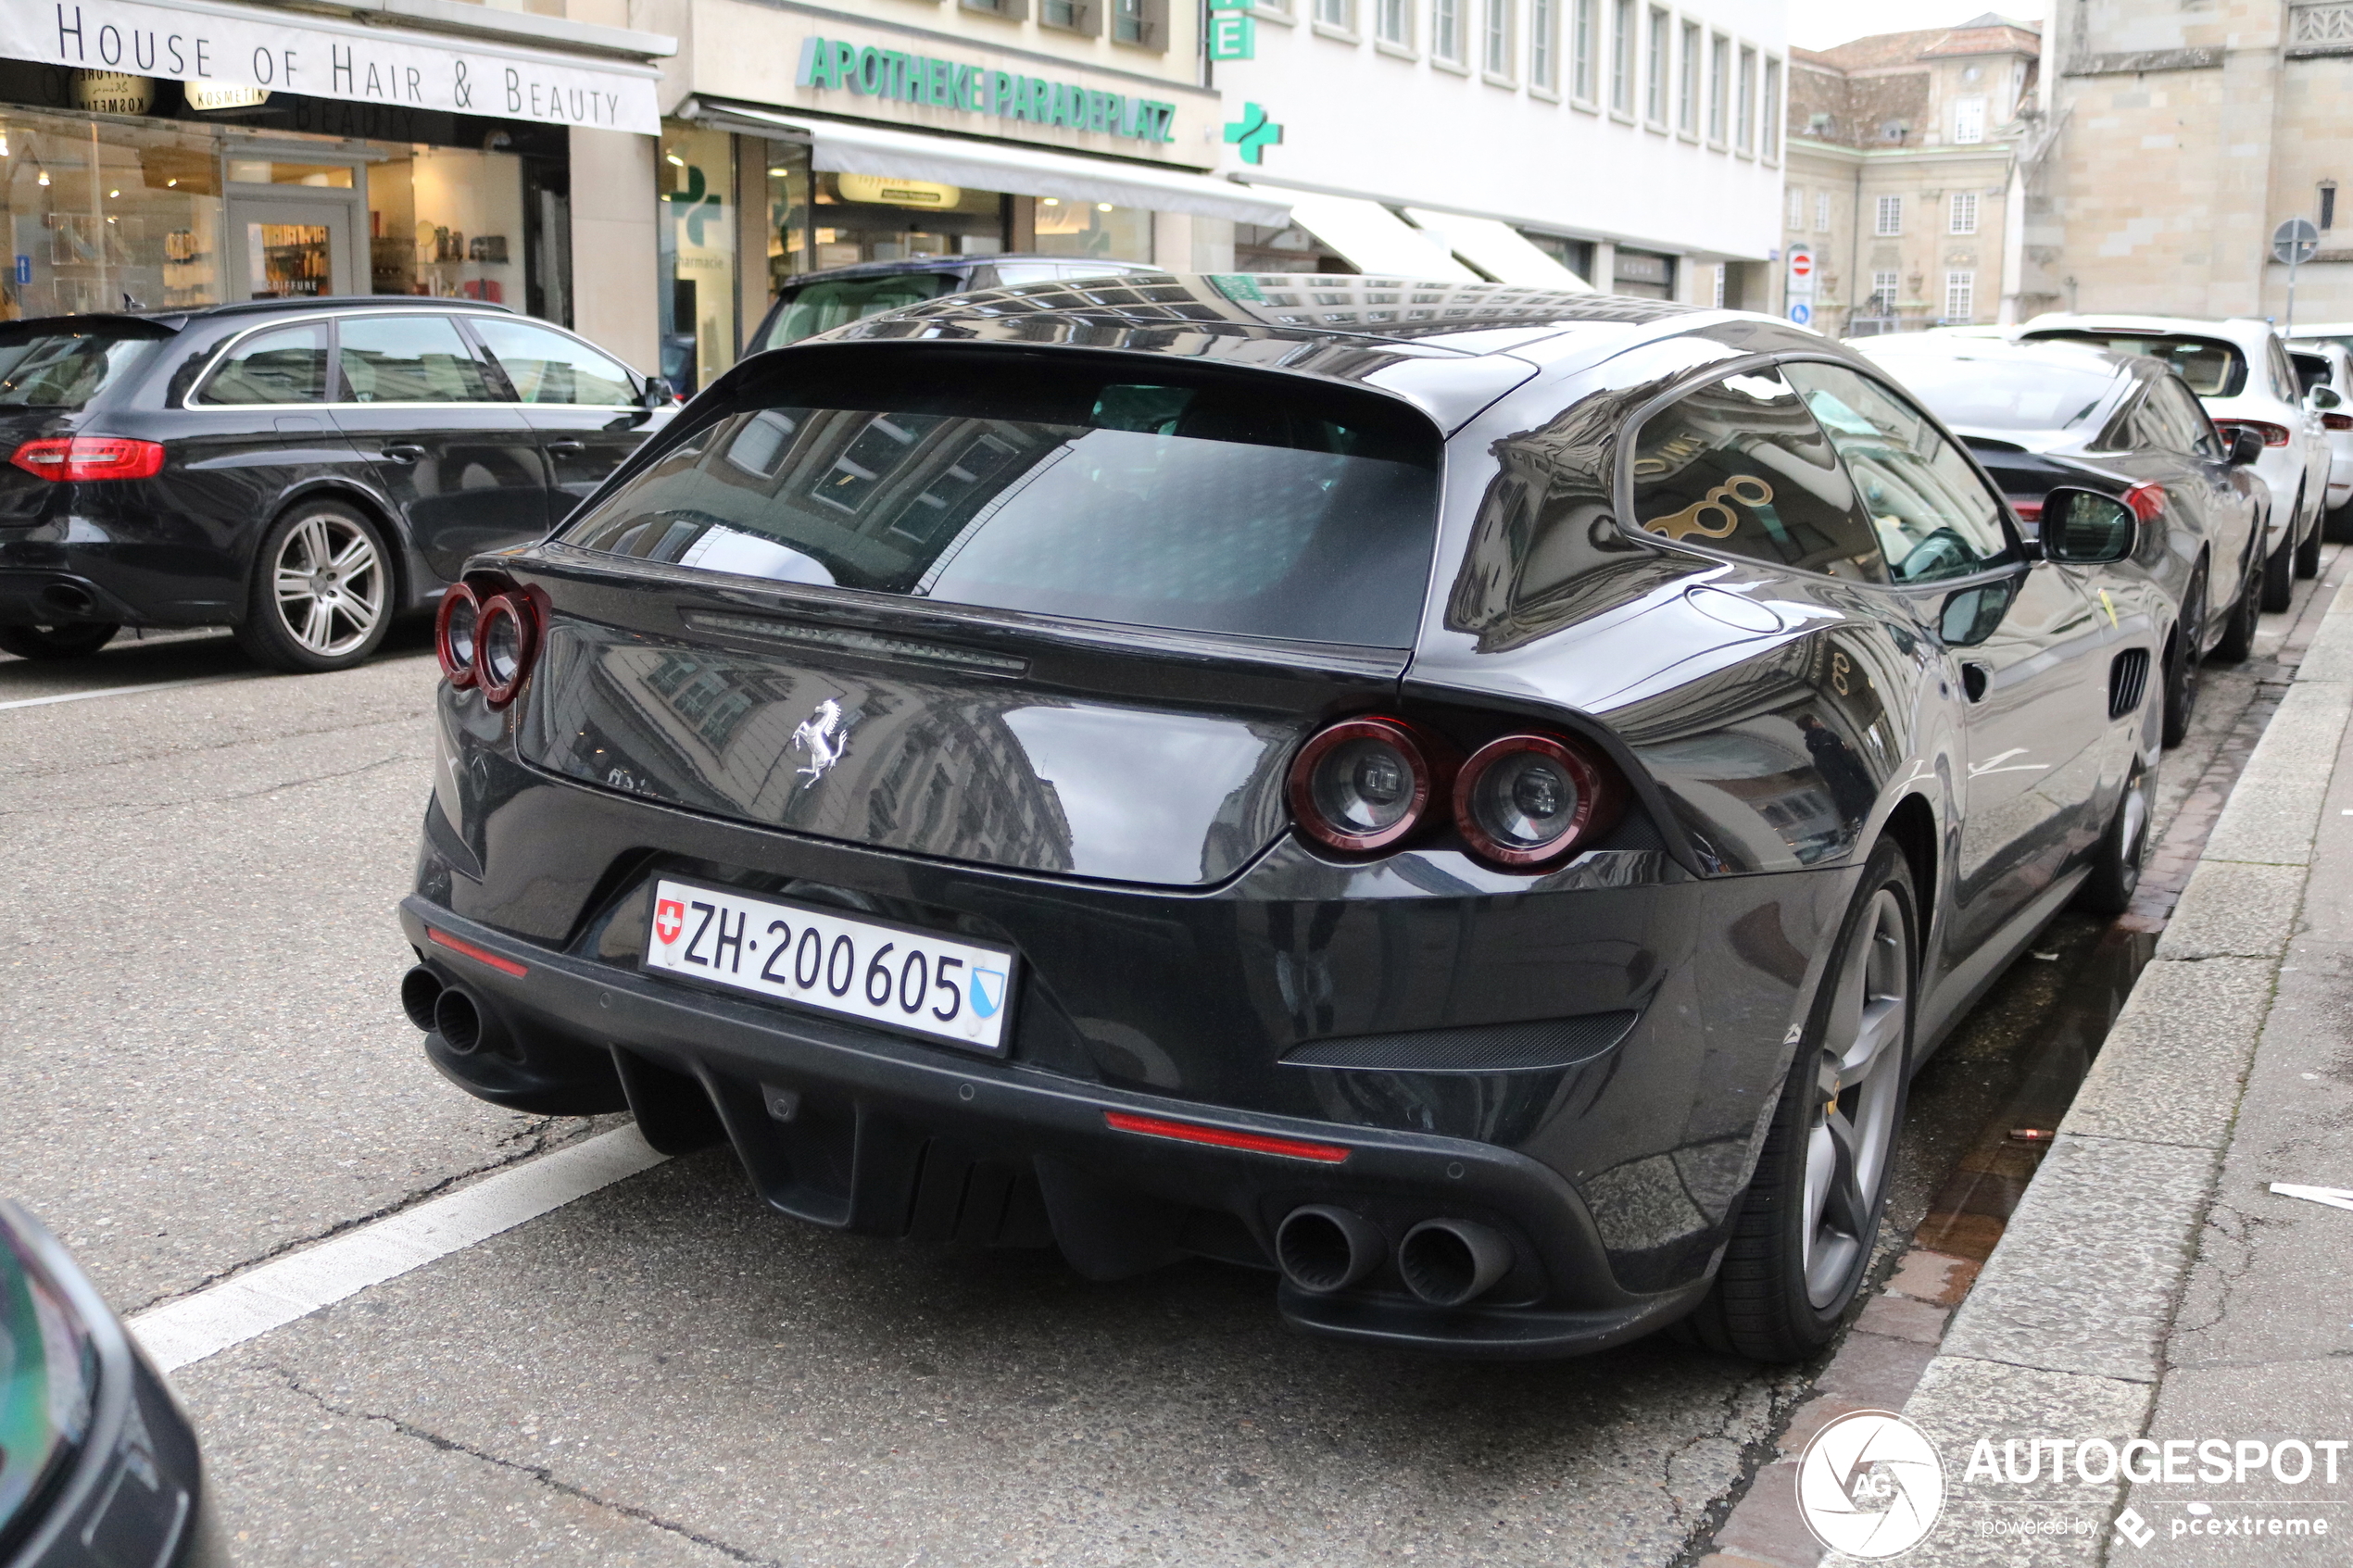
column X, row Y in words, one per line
column 326, row 59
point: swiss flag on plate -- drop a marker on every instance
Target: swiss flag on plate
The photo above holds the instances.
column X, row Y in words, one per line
column 669, row 919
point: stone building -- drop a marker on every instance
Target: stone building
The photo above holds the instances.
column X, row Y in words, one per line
column 2179, row 135
column 1901, row 153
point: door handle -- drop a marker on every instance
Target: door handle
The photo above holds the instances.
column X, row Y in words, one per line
column 568, row 448
column 1975, row 678
column 403, row 452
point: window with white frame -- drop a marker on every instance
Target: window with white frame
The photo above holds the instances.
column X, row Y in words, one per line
column 1964, row 213
column 1719, row 85
column 1337, row 13
column 1580, row 49
column 1655, row 68
column 1889, row 217
column 1796, row 208
column 1396, row 18
column 1687, row 88
column 1497, row 50
column 1770, row 131
column 1446, row 31
column 1968, row 120
column 1544, row 44
column 1621, row 57
column 1960, row 296
column 1821, row 212
column 1883, row 300
column 1745, row 123
column 1722, row 271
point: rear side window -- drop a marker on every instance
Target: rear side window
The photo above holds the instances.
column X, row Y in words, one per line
column 1130, row 492
column 55, row 370
column 1740, row 465
column 408, row 359
column 2213, row 367
column 548, row 367
column 820, row 307
column 287, row 365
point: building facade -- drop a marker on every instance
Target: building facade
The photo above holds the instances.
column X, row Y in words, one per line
column 1635, row 144
column 1903, row 199
column 2180, row 137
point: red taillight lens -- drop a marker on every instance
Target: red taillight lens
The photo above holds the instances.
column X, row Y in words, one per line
column 2027, row 511
column 455, row 629
column 81, row 458
column 2146, row 499
column 2337, row 421
column 1526, row 800
column 2273, row 436
column 505, row 640
column 1367, row 783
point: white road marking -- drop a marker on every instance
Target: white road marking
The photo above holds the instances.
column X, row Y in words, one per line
column 247, row 1305
column 124, row 691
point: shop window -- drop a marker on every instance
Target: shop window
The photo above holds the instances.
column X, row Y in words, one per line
column 696, row 237
column 1643, row 274
column 1575, row 254
column 106, row 216
column 875, row 218
column 1077, row 228
column 449, row 223
column 787, row 229
column 1292, row 249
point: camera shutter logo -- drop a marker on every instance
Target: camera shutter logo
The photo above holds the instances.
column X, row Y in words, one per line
column 1870, row 1484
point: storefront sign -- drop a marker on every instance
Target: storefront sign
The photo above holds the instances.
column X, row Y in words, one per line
column 920, row 78
column 1233, row 32
column 110, row 92
column 885, row 190
column 230, row 47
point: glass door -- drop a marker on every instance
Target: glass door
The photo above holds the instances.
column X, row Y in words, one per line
column 291, row 249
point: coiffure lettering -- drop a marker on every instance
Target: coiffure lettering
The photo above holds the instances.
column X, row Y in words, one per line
column 2177, row 1461
column 919, row 79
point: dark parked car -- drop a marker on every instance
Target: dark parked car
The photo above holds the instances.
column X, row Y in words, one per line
column 2045, row 414
column 301, row 471
column 821, row 301
column 1474, row 797
column 98, row 1467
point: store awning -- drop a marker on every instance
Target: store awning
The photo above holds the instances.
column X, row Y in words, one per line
column 1497, row 249
column 1374, row 239
column 996, row 166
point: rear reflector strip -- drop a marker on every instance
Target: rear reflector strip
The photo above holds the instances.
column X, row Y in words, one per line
column 1220, row 1137
column 504, row 966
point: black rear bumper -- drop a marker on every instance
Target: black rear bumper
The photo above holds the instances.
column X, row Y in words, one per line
column 860, row 1130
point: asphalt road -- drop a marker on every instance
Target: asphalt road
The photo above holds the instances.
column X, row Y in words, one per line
column 205, row 1064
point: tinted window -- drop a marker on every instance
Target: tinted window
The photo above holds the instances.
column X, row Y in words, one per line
column 1741, row 466
column 2038, row 392
column 1191, row 500
column 57, row 370
column 820, row 307
column 288, row 365
column 2175, row 421
column 408, row 359
column 2311, row 370
column 1934, row 517
column 2213, row 368
column 546, row 367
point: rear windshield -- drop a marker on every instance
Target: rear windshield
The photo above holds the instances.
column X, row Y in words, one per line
column 820, row 307
column 2213, row 367
column 2040, row 393
column 1127, row 490
column 64, row 370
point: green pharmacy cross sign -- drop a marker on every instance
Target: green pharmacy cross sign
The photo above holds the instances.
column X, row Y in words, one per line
column 1253, row 133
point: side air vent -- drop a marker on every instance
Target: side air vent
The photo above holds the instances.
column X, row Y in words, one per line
column 2126, row 680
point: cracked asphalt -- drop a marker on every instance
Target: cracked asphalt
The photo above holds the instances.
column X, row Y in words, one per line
column 207, row 1065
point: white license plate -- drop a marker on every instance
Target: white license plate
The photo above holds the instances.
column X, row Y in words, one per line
column 848, row 964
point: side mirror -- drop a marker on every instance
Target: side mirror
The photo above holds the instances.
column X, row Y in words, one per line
column 2247, row 446
column 2325, row 398
column 2085, row 527
column 658, row 394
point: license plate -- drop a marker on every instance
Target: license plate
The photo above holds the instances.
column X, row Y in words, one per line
column 848, row 964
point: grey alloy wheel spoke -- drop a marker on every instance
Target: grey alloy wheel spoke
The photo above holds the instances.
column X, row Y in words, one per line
column 1857, row 1085
column 331, row 585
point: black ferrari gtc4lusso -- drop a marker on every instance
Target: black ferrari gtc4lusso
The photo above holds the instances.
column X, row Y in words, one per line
column 1477, row 799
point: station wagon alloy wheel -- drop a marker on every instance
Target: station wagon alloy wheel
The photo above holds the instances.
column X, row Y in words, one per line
column 322, row 590
column 1861, row 1088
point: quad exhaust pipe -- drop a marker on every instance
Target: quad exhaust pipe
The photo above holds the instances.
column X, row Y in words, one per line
column 1322, row 1248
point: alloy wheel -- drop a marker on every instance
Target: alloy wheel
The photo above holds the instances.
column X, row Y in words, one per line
column 328, row 580
column 1851, row 1133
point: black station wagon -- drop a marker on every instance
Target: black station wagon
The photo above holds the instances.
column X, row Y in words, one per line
column 1473, row 799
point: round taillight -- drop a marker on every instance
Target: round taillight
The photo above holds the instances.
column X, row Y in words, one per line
column 505, row 642
column 1524, row 800
column 454, row 630
column 1365, row 784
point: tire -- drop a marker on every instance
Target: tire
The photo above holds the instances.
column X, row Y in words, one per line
column 77, row 641
column 2279, row 577
column 2239, row 632
column 2181, row 663
column 1802, row 1242
column 2336, row 527
column 321, row 595
column 2307, row 554
column 2118, row 858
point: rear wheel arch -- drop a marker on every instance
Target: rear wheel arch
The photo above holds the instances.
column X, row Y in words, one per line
column 1913, row 827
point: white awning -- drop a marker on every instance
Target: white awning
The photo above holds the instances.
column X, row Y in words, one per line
column 1374, row 239
column 1496, row 247
column 288, row 51
column 998, row 166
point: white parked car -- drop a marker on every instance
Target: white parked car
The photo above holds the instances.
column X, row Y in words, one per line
column 2241, row 371
column 2327, row 363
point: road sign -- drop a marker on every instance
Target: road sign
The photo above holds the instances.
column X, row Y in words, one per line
column 2294, row 242
column 1801, row 273
column 1802, row 312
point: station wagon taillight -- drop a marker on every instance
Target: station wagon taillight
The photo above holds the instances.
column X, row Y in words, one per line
column 77, row 458
column 486, row 634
